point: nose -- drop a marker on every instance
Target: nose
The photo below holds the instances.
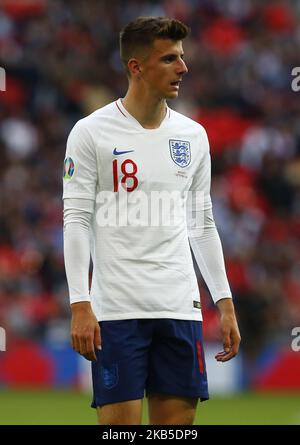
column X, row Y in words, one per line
column 182, row 69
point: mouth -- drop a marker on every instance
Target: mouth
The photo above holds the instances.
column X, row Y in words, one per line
column 175, row 83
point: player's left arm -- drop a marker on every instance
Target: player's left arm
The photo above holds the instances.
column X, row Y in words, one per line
column 206, row 245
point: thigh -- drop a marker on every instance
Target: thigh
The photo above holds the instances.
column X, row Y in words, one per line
column 120, row 372
column 122, row 413
column 177, row 362
column 171, row 410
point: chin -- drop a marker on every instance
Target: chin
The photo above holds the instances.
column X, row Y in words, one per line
column 172, row 95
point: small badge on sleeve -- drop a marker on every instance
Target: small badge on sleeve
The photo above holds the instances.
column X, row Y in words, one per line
column 197, row 304
column 68, row 168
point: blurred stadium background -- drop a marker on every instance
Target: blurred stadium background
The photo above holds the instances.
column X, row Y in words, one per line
column 62, row 62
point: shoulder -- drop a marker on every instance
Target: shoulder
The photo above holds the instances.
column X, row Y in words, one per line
column 189, row 124
column 95, row 120
column 88, row 130
column 191, row 130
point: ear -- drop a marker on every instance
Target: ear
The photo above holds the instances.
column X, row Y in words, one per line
column 134, row 67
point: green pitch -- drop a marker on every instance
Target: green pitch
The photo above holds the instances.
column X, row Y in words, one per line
column 70, row 408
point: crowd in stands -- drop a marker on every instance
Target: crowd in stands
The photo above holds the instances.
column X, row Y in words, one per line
column 62, row 62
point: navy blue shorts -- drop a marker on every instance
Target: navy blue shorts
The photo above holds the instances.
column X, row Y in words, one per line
column 154, row 355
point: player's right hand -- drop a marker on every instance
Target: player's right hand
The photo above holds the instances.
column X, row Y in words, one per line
column 85, row 330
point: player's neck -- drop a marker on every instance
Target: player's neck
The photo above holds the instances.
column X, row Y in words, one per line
column 148, row 111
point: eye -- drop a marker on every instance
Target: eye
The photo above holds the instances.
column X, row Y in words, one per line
column 169, row 59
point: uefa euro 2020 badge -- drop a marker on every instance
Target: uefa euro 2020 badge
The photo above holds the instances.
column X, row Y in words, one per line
column 68, row 168
column 180, row 152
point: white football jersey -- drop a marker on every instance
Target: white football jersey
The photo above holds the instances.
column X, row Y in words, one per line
column 139, row 181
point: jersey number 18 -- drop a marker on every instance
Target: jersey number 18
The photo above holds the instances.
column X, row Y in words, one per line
column 126, row 175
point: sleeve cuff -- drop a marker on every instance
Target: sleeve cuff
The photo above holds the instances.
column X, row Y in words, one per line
column 78, row 299
column 221, row 296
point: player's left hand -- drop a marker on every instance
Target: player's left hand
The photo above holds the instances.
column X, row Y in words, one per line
column 230, row 331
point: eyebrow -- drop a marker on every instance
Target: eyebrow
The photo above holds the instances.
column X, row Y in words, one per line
column 165, row 56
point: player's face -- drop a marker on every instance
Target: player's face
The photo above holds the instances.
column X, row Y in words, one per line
column 163, row 68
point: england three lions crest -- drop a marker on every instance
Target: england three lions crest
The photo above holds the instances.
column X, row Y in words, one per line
column 180, row 152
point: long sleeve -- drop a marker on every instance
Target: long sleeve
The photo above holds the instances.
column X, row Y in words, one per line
column 208, row 254
column 203, row 235
column 79, row 192
column 77, row 218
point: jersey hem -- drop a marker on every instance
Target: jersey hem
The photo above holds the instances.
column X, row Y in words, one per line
column 135, row 315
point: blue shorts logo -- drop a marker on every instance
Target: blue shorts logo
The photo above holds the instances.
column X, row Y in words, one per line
column 110, row 376
column 180, row 152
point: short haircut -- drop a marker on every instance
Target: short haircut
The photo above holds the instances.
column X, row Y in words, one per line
column 141, row 33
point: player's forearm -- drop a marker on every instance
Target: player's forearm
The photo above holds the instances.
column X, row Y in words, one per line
column 208, row 253
column 226, row 307
column 83, row 307
column 77, row 250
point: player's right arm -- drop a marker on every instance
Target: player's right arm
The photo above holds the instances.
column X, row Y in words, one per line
column 206, row 245
column 80, row 179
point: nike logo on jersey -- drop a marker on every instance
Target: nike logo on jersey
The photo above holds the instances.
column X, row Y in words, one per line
column 116, row 152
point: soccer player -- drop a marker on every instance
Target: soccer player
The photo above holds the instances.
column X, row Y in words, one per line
column 136, row 197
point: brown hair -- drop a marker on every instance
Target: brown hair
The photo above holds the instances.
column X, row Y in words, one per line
column 141, row 33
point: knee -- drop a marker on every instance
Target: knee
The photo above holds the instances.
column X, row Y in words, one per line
column 118, row 420
column 183, row 418
column 120, row 414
